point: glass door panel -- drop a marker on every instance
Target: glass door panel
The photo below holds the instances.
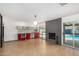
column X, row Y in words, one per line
column 68, row 34
column 42, row 33
column 76, row 35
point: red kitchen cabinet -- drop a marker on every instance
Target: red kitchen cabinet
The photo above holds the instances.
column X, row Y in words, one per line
column 20, row 37
column 27, row 36
column 36, row 35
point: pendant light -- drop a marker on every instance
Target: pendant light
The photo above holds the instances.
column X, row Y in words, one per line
column 35, row 22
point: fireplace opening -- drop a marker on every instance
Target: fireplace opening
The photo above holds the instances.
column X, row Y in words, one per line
column 52, row 36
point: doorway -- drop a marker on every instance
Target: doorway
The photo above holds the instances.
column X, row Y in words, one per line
column 42, row 33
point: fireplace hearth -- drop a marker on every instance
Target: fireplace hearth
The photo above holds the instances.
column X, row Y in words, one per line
column 52, row 36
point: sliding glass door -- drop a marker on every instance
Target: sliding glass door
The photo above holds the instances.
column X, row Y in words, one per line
column 68, row 34
column 76, row 35
column 71, row 34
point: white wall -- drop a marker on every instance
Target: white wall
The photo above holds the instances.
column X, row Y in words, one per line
column 71, row 18
column 9, row 29
column 42, row 24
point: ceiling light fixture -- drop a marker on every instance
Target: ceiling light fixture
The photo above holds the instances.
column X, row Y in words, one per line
column 35, row 22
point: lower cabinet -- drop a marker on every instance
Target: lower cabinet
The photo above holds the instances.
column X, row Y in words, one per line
column 27, row 36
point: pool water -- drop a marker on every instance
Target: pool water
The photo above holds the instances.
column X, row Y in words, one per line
column 70, row 37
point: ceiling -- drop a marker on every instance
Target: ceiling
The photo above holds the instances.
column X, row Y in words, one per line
column 44, row 11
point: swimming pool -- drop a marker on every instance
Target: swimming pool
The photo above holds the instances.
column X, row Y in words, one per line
column 71, row 37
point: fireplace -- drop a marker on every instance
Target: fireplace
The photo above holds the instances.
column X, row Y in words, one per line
column 52, row 36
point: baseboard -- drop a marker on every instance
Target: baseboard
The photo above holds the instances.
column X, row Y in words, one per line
column 10, row 41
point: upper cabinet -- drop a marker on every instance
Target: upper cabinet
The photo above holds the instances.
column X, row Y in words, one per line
column 26, row 29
